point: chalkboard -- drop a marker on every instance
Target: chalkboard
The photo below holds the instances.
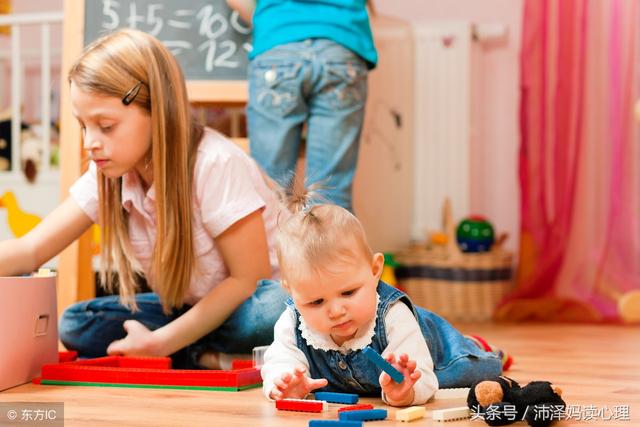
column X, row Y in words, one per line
column 209, row 40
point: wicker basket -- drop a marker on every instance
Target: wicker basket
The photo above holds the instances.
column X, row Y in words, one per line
column 458, row 286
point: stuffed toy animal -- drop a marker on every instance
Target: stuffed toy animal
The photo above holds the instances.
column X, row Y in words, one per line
column 5, row 138
column 5, row 144
column 501, row 401
column 30, row 155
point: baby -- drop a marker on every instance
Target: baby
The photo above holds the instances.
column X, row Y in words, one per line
column 338, row 306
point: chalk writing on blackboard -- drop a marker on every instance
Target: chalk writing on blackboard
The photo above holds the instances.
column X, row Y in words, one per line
column 209, row 40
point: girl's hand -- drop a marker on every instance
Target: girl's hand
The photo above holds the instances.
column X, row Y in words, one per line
column 295, row 386
column 400, row 394
column 139, row 341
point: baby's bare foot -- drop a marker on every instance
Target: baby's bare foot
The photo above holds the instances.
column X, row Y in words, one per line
column 210, row 360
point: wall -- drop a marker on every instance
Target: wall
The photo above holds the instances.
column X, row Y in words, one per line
column 494, row 178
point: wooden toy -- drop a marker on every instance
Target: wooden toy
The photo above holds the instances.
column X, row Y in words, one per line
column 301, row 405
column 383, row 364
column 451, row 414
column 336, row 397
column 410, row 414
column 363, row 415
column 146, row 372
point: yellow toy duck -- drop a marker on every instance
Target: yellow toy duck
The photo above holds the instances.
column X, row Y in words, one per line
column 20, row 223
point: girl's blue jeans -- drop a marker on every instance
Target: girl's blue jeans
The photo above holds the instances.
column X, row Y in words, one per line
column 319, row 82
column 89, row 327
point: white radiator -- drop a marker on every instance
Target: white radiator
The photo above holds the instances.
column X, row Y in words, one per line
column 418, row 130
column 445, row 61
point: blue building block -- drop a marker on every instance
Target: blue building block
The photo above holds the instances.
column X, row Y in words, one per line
column 364, row 415
column 383, row 364
column 334, row 423
column 336, row 397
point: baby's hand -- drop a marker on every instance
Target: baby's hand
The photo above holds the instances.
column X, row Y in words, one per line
column 400, row 394
column 295, row 386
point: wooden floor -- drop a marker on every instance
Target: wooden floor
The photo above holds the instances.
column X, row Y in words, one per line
column 598, row 368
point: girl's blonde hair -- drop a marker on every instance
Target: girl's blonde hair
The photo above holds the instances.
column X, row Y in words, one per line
column 112, row 66
column 316, row 237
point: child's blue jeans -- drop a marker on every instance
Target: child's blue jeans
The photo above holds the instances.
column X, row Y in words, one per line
column 319, row 82
column 89, row 327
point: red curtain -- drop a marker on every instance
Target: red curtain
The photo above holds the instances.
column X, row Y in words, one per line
column 579, row 163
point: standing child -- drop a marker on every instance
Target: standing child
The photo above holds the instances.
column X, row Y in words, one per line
column 309, row 63
column 176, row 203
column 339, row 306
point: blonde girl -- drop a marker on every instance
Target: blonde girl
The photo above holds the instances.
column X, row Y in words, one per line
column 178, row 205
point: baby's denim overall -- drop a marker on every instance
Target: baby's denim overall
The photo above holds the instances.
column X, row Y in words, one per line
column 458, row 362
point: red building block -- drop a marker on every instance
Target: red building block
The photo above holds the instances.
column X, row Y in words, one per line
column 146, row 372
column 67, row 356
column 358, row 407
column 301, row 405
column 241, row 364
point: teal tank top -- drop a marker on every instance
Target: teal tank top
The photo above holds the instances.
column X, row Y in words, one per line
column 346, row 22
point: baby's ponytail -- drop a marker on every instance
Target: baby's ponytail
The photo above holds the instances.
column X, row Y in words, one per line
column 313, row 234
column 300, row 198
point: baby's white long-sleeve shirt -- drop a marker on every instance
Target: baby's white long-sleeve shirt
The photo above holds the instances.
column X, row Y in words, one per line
column 403, row 336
